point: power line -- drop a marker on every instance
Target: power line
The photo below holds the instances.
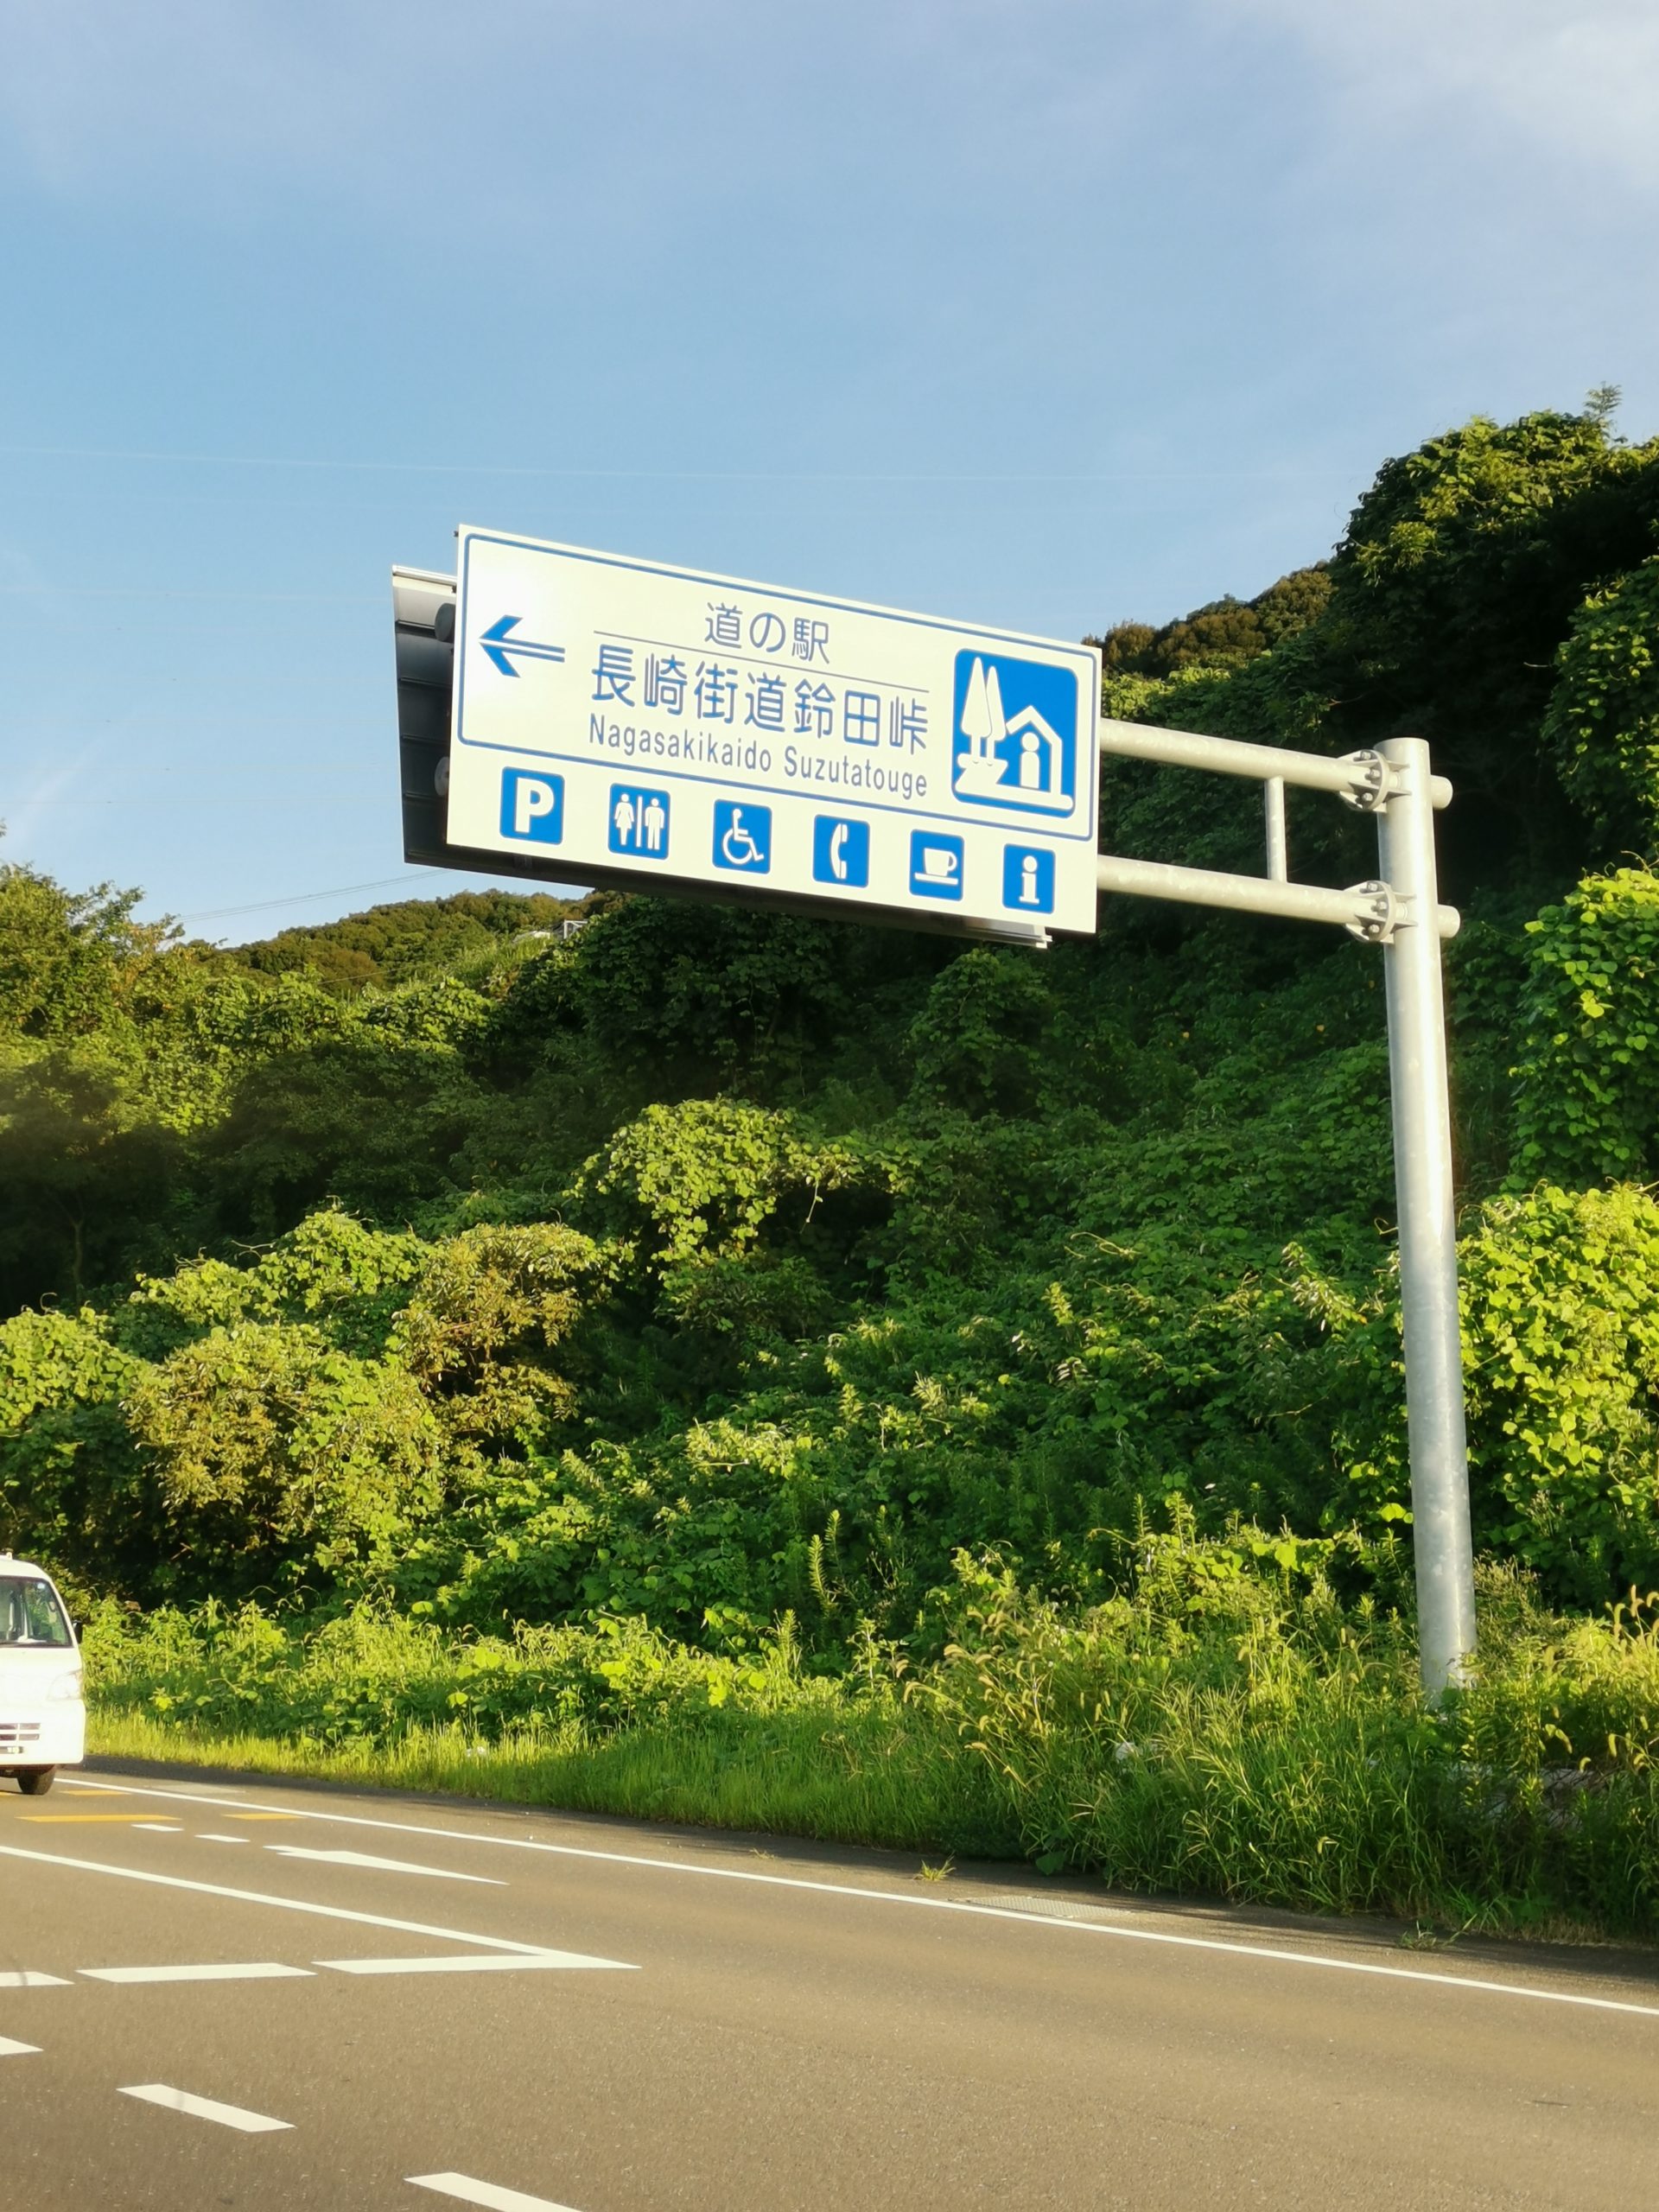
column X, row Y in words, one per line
column 305, row 898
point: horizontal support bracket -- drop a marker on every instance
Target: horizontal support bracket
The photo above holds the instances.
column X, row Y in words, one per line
column 1364, row 779
column 1371, row 909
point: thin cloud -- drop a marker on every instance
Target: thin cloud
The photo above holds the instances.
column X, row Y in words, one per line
column 1579, row 80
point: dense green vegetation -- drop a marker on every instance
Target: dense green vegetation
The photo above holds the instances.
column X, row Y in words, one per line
column 756, row 1368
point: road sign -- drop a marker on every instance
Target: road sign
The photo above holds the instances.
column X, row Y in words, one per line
column 622, row 717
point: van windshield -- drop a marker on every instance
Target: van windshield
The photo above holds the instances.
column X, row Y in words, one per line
column 29, row 1611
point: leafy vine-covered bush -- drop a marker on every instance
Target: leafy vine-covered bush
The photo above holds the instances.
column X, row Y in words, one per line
column 1603, row 722
column 1561, row 1350
column 297, row 1421
column 269, row 1444
column 1587, row 1103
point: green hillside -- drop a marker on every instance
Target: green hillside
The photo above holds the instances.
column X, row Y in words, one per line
column 761, row 1370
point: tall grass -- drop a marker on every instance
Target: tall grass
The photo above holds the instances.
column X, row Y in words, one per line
column 616, row 1720
column 1249, row 1738
column 867, row 1779
column 1279, row 1748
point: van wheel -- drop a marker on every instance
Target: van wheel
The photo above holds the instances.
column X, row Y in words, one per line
column 35, row 1781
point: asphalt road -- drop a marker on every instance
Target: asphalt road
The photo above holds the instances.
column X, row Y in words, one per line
column 267, row 1996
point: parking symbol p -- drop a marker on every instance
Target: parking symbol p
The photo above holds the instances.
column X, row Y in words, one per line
column 532, row 806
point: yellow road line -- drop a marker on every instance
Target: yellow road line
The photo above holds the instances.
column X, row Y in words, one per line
column 61, row 1817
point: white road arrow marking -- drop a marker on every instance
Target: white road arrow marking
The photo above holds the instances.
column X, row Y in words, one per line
column 247, row 2123
column 380, row 1866
column 491, row 1962
column 248, row 1896
column 484, row 2193
column 267, row 1971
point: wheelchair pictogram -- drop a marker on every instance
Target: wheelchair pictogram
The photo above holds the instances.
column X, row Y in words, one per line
column 742, row 837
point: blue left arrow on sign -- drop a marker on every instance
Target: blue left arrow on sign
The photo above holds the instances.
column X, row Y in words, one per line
column 497, row 643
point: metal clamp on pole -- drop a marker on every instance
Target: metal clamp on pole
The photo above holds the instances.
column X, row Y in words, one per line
column 1369, row 788
column 1376, row 913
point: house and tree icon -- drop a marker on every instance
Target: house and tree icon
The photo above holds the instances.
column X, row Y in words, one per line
column 1015, row 736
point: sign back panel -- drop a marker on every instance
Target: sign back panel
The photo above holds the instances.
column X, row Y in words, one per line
column 682, row 727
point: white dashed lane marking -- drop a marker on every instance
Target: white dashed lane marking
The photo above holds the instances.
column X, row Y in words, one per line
column 9, row 2049
column 494, row 1962
column 380, row 1866
column 260, row 1971
column 26, row 1978
column 247, row 2123
column 484, row 2193
column 205, row 1837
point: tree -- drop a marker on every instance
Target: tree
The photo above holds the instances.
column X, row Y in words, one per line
column 68, row 960
column 404, row 940
column 1459, row 578
column 1225, row 633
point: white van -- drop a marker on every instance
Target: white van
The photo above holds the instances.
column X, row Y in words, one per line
column 42, row 1717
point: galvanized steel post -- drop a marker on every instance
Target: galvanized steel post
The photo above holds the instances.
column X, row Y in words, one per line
column 1273, row 794
column 1429, row 1250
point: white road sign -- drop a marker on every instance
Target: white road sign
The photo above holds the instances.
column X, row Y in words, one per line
column 678, row 726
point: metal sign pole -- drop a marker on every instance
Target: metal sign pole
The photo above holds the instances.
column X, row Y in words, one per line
column 1429, row 1248
column 1402, row 912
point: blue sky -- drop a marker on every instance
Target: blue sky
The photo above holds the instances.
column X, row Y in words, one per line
column 1032, row 311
